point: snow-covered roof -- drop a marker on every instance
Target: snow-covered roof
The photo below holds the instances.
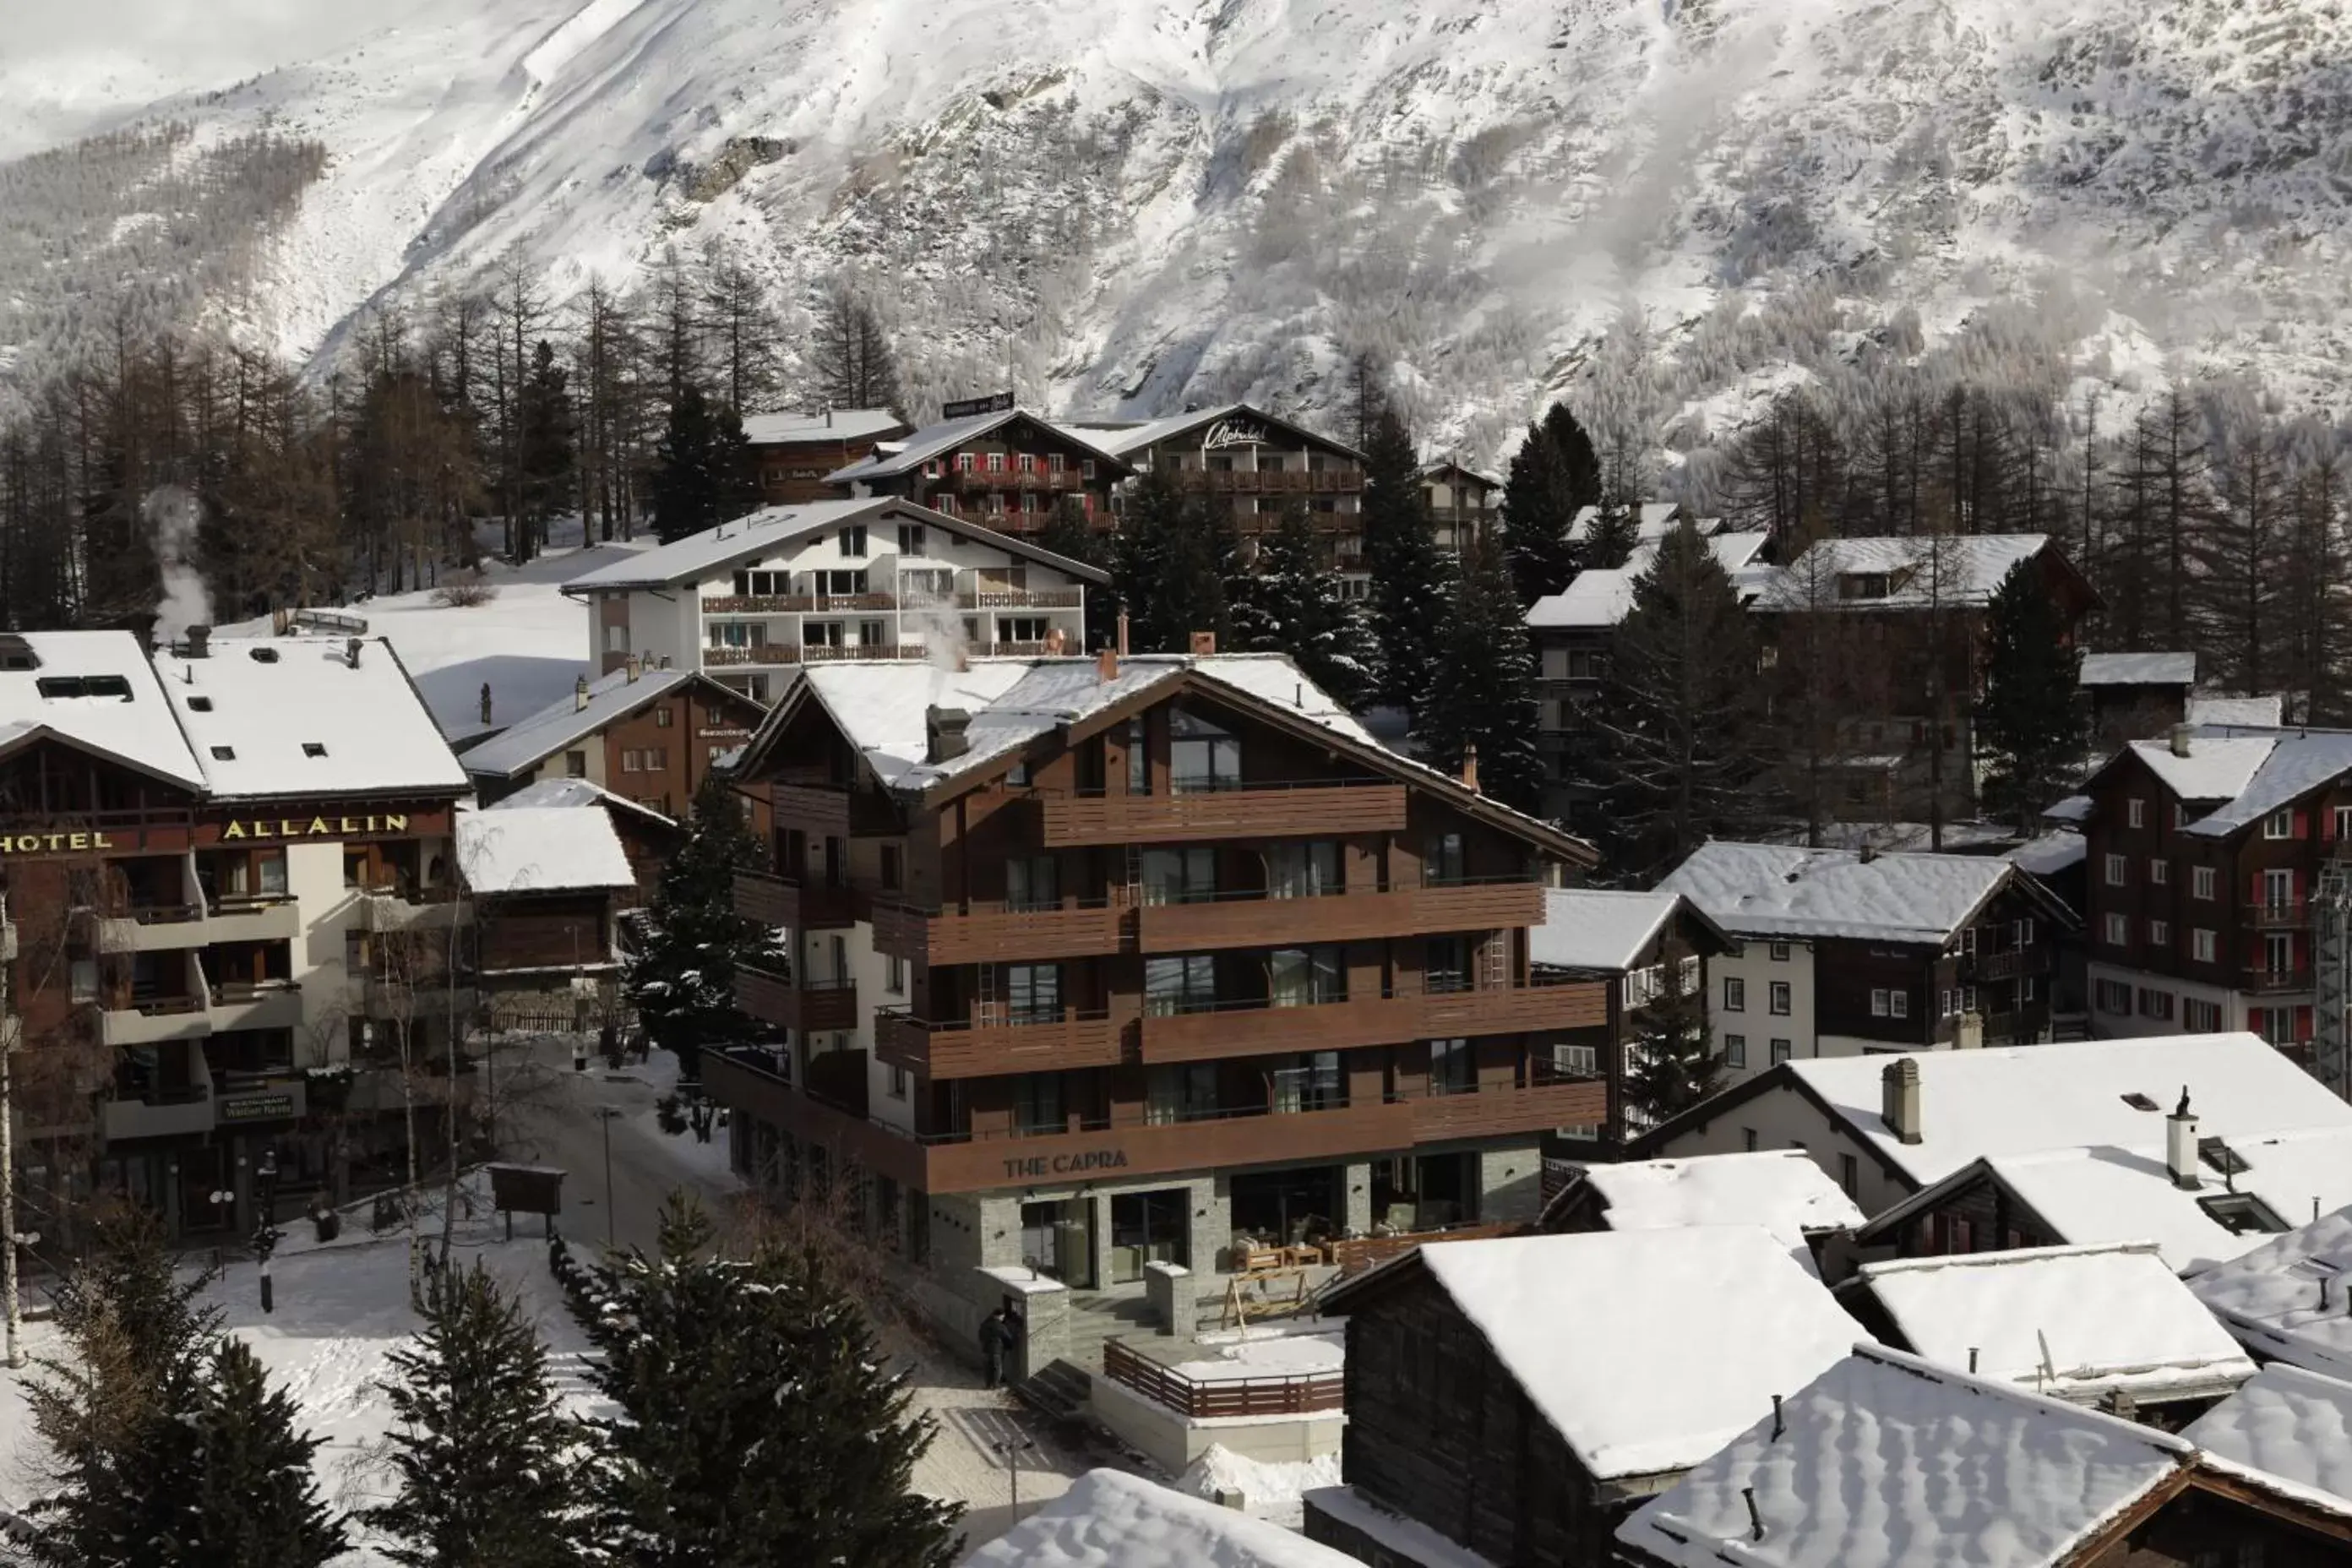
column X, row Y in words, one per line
column 2139, row 670
column 2241, row 774
column 522, row 746
column 2076, row 1322
column 1657, row 519
column 279, row 717
column 139, row 728
column 936, row 440
column 2290, row 1424
column 1782, row 1189
column 2297, row 764
column 1785, row 891
column 2271, row 1297
column 1438, row 467
column 2216, row 768
column 1603, row 596
column 2034, row 1099
column 1124, row 441
column 1109, row 1519
column 1887, row 1460
column 1637, row 1376
column 2059, row 851
column 833, row 425
column 2248, row 713
column 2073, row 808
column 1971, row 570
column 1598, row 928
column 541, row 850
column 571, row 791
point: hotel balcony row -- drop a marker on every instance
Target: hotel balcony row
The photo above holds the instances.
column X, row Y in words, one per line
column 128, row 1018
column 1268, row 482
column 1317, row 808
column 1133, row 1143
column 1076, row 1039
column 969, row 594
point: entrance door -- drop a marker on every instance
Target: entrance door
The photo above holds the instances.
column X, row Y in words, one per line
column 1147, row 1227
column 202, row 1172
column 1058, row 1240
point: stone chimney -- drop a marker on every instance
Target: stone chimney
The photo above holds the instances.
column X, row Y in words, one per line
column 1107, row 665
column 352, row 651
column 944, row 732
column 1470, row 768
column 580, row 695
column 2181, row 734
column 635, row 666
column 1968, row 1035
column 1122, row 634
column 2181, row 1145
column 1057, row 642
column 1205, row 643
column 1898, row 1101
column 486, row 702
column 664, row 663
column 200, row 642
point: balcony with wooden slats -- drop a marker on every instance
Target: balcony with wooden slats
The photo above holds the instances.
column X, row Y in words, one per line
column 1256, row 920
column 1000, row 933
column 779, row 1000
column 1321, row 810
column 1254, row 1029
column 950, row 1051
column 774, row 901
column 1492, row 1110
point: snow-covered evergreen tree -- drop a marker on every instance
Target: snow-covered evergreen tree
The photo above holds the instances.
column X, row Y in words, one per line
column 256, row 1497
column 700, row 478
column 1482, row 692
column 1675, row 727
column 1174, row 556
column 1554, row 474
column 1670, row 1062
column 1411, row 575
column 1290, row 603
column 1616, row 531
column 483, row 1450
column 2030, row 723
column 682, row 978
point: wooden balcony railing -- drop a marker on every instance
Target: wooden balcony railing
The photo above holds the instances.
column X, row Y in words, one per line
column 760, row 653
column 1318, row 808
column 821, row 1006
column 1020, row 599
column 797, row 906
column 950, row 1051
column 758, row 604
column 1000, row 933
column 1253, row 1028
column 1494, row 1109
column 1254, row 920
column 2012, row 965
column 1291, row 1394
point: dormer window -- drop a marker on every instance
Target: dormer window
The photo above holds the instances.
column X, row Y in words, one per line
column 1862, row 585
column 2242, row 1213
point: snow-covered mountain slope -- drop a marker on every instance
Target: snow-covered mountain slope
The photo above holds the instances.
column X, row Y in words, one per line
column 1124, row 204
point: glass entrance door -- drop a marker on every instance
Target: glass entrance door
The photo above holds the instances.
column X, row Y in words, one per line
column 1147, row 1227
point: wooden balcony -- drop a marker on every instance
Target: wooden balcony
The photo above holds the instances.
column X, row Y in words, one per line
column 1075, row 1039
column 796, row 905
column 2292, row 914
column 995, row 933
column 1492, row 1110
column 1268, row 482
column 1255, row 920
column 1022, row 599
column 1295, row 811
column 1221, row 1032
column 2010, row 965
column 779, row 1000
column 759, row 653
column 758, row 604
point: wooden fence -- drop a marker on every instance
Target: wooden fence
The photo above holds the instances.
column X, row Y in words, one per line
column 1356, row 1255
column 1292, row 1395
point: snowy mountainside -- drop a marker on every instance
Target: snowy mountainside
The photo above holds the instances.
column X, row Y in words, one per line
column 1665, row 209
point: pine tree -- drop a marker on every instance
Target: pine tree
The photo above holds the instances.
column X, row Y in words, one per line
column 1670, row 1061
column 1291, row 604
column 757, row 1425
column 1070, row 533
column 682, row 979
column 1554, row 474
column 1174, row 557
column 550, row 457
column 1675, row 727
column 2029, row 723
column 701, row 475
column 257, row 1502
column 1481, row 693
column 1411, row 575
column 482, row 1446
column 1610, row 542
column 851, row 355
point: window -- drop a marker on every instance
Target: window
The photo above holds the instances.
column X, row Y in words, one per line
column 2136, row 809
column 2118, row 928
column 1085, row 467
column 1734, row 1051
column 314, row 747
column 763, row 584
column 1031, row 883
column 1026, row 629
column 2154, row 1004
column 224, row 754
column 840, row 585
column 1880, row 1007
column 2243, row 1213
column 1053, row 463
column 2200, row 1017
column 2200, row 881
column 911, row 539
column 2278, row 953
column 1028, row 462
column 1735, row 994
column 1779, row 1049
column 963, row 462
column 1849, row 1176
column 1451, row 1069
column 1200, row 756
column 2278, row 892
column 200, row 704
column 2342, row 822
column 2159, row 871
column 1306, row 976
column 1033, row 992
column 1018, row 775
column 1179, row 876
column 1037, row 1103
column 2114, row 996
column 1900, row 1004
column 1184, row 983
column 1779, row 952
column 853, row 542
column 1446, row 964
column 891, row 863
column 2202, row 946
column 2118, row 872
column 616, row 640
column 1139, row 759
column 894, row 974
column 1576, row 1061
column 1442, row 860
column 1779, row 998
column 2159, row 934
column 996, row 462
column 2279, row 823
column 1308, row 871
column 1583, row 664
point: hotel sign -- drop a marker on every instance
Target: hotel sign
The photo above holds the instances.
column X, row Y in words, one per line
column 53, row 843
column 1233, row 433
column 1078, row 1165
column 313, row 828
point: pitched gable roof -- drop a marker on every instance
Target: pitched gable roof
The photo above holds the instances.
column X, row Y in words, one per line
column 833, row 425
column 937, row 440
column 1777, row 890
column 2293, row 1426
column 2138, row 670
column 526, row 744
column 2291, row 1299
column 1782, row 1189
column 1127, row 440
column 1109, row 1519
column 299, row 718
column 125, row 716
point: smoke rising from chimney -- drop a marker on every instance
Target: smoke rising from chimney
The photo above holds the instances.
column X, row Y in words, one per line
column 174, row 515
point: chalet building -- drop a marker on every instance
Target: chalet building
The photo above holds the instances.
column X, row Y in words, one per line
column 2269, row 1298
column 1852, row 952
column 791, row 454
column 1909, row 619
column 549, row 884
column 1887, row 1128
column 2136, row 695
column 1887, row 1459
column 1780, row 1190
column 1102, row 962
column 2111, row 1326
column 1519, row 1397
column 650, row 736
column 1650, row 950
column 1466, row 505
column 2055, row 859
column 648, row 837
column 1005, row 470
column 1572, row 631
column 2202, row 852
column 208, row 858
column 830, row 581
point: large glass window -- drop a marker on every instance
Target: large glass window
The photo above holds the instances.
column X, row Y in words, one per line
column 1032, row 882
column 1180, row 876
column 1452, row 1069
column 1309, row 870
column 1186, row 983
column 1037, row 1104
column 1311, row 1082
column 1442, row 860
column 1033, row 992
column 1446, row 966
column 1180, row 1091
column 1306, row 976
column 1200, row 755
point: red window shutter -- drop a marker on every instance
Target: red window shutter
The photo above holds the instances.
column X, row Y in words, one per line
column 2302, row 1023
column 2302, row 824
column 2255, row 1019
column 2256, row 896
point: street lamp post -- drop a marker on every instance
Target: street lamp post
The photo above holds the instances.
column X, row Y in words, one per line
column 264, row 1233
column 1013, row 1448
column 605, row 1113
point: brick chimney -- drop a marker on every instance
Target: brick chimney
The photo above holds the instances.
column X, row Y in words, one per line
column 1205, row 643
column 2181, row 1145
column 580, row 695
column 635, row 666
column 1898, row 1100
column 1122, row 634
column 944, row 734
column 1107, row 665
column 1470, row 768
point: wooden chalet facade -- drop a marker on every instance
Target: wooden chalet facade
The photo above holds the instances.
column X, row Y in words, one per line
column 1007, row 470
column 1465, row 506
column 651, row 736
column 792, row 454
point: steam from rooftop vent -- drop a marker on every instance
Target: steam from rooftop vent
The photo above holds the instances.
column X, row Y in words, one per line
column 174, row 516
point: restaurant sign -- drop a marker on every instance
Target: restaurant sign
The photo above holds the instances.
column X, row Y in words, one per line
column 314, row 827
column 1084, row 1163
column 259, row 1108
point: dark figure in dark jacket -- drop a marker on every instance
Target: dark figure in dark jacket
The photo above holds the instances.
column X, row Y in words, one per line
column 999, row 1336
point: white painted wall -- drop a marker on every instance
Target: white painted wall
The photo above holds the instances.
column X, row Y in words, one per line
column 2235, row 1005
column 1783, row 1118
column 1755, row 964
column 314, row 875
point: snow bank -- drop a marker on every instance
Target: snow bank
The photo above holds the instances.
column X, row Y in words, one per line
column 1111, row 1520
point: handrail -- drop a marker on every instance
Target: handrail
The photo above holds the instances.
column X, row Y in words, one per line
column 1240, row 787
column 1277, row 1394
